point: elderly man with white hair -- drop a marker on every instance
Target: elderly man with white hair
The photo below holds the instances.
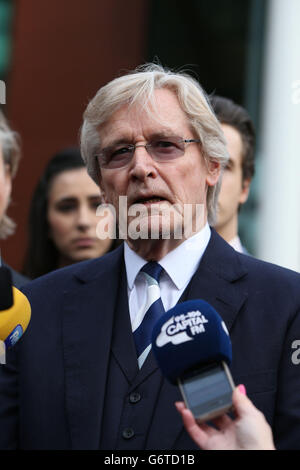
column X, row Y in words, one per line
column 84, row 375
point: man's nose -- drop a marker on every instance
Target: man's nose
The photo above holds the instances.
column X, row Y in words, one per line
column 142, row 165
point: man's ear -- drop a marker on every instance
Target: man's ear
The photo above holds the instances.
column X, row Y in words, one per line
column 214, row 172
column 245, row 191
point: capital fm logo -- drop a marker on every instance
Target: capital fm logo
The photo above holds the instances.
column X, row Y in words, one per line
column 181, row 328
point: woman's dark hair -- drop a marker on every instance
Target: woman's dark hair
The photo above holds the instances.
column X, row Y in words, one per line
column 42, row 255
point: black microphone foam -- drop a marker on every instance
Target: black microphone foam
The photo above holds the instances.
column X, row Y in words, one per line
column 6, row 293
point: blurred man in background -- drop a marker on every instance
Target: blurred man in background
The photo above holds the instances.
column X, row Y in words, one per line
column 239, row 171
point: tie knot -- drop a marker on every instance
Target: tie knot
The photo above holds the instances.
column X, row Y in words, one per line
column 153, row 269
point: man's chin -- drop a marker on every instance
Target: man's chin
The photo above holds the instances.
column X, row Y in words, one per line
column 154, row 227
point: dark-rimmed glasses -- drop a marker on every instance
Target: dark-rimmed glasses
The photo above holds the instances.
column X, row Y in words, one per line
column 161, row 150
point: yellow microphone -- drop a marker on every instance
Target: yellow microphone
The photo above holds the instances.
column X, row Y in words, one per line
column 15, row 310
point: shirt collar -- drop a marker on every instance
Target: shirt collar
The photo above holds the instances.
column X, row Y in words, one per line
column 236, row 244
column 180, row 264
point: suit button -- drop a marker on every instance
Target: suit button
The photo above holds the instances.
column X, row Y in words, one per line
column 134, row 397
column 128, row 433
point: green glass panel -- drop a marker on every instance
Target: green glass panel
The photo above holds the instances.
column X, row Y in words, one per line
column 6, row 8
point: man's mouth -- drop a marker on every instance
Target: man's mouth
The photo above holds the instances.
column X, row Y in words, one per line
column 149, row 200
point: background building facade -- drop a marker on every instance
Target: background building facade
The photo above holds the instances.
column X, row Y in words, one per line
column 54, row 56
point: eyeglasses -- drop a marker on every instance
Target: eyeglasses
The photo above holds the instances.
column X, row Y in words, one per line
column 161, row 150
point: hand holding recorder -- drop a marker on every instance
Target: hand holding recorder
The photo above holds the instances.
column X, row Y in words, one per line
column 248, row 431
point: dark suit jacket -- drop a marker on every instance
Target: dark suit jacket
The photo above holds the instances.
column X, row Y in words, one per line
column 53, row 388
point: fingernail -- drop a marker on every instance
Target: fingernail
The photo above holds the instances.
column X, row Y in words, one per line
column 242, row 389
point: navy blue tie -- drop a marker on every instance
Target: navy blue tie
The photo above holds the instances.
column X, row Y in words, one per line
column 150, row 313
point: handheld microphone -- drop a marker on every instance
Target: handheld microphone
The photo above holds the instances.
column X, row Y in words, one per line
column 15, row 310
column 192, row 347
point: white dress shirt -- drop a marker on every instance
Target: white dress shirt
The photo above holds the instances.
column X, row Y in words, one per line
column 236, row 244
column 179, row 267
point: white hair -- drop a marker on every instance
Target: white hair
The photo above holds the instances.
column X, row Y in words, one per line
column 139, row 87
column 10, row 149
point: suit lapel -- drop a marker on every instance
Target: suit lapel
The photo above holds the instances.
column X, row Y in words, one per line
column 87, row 320
column 123, row 347
column 217, row 280
column 224, row 297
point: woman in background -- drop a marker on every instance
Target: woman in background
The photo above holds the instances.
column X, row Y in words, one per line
column 62, row 219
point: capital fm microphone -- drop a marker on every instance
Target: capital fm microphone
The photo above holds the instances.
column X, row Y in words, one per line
column 15, row 312
column 193, row 350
